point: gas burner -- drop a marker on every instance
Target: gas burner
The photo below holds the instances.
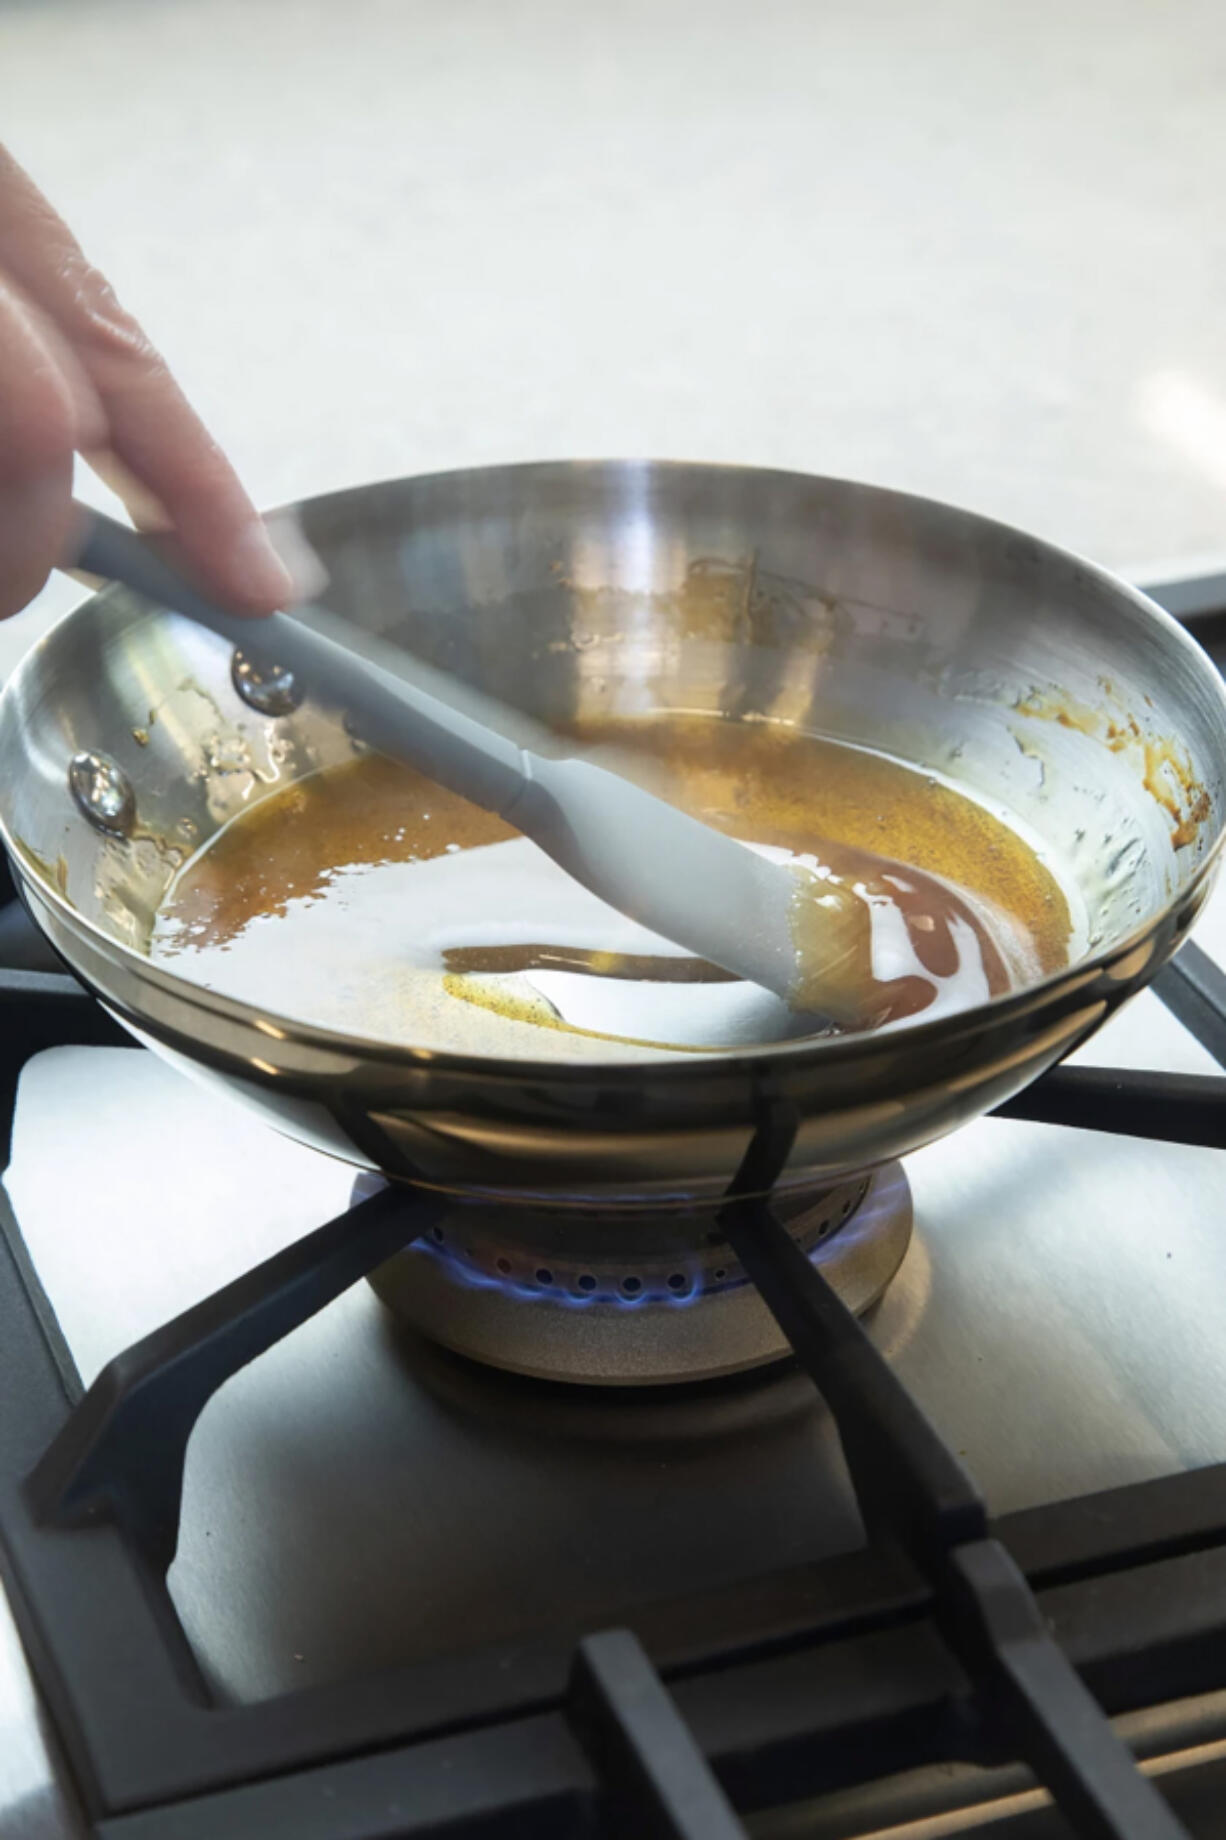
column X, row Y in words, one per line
column 616, row 1298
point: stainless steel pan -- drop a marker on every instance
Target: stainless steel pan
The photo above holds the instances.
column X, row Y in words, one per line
column 589, row 590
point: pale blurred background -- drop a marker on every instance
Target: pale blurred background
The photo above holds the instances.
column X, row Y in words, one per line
column 977, row 250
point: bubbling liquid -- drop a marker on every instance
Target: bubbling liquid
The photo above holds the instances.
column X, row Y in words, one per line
column 370, row 900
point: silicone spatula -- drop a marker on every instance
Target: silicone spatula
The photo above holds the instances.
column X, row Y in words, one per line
column 705, row 891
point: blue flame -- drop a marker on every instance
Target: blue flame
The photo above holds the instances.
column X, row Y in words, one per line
column 462, row 1272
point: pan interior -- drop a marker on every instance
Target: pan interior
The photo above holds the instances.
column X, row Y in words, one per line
column 366, row 897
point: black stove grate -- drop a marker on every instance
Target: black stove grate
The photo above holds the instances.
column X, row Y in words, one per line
column 945, row 1638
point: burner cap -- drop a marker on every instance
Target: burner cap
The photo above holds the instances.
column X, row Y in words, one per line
column 609, row 1298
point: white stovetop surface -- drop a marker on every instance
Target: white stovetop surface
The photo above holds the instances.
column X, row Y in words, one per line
column 1058, row 1315
column 883, row 241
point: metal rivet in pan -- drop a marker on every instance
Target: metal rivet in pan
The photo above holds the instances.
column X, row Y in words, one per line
column 264, row 685
column 103, row 792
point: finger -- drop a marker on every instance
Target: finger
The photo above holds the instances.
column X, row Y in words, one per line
column 156, row 436
column 43, row 407
column 41, row 360
column 152, row 428
column 39, row 420
column 144, row 508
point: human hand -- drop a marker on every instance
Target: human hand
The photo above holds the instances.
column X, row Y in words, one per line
column 78, row 376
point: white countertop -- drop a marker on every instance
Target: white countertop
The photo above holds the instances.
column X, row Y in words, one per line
column 884, row 241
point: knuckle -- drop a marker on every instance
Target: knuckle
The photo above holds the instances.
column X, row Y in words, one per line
column 105, row 331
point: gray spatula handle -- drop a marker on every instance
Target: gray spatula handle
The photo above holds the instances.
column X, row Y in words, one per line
column 397, row 716
column 662, row 867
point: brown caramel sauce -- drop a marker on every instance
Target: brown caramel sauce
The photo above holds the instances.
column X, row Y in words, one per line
column 1164, row 767
column 370, row 810
column 834, row 940
column 865, row 817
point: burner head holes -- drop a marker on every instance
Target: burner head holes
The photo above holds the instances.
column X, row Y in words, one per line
column 676, row 1277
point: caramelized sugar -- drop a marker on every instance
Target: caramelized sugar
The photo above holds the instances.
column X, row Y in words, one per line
column 288, row 848
column 318, row 902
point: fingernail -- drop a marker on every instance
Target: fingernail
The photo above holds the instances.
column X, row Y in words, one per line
column 307, row 571
column 258, row 570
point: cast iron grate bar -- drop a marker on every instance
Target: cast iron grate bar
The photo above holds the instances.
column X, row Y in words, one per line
column 1175, row 1108
column 658, row 1783
column 1039, row 1704
column 912, row 1490
column 122, row 1450
column 1194, row 990
column 904, row 1476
